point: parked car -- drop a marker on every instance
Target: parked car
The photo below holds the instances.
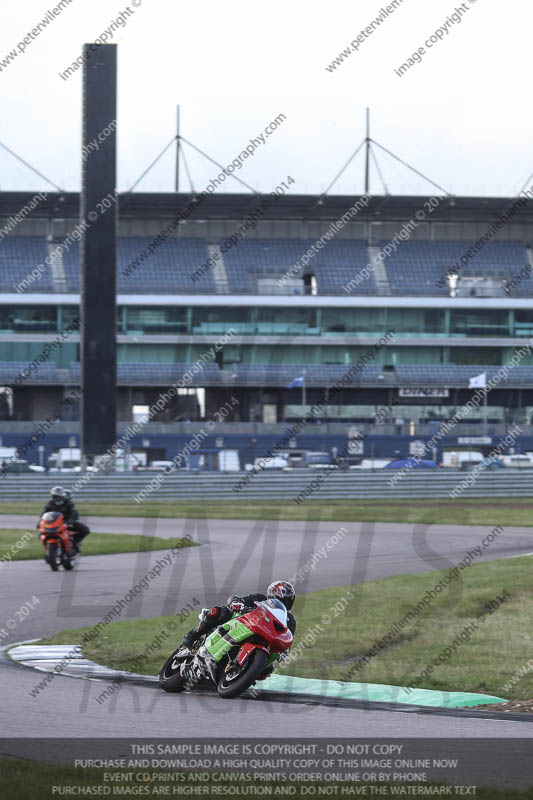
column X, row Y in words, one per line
column 160, row 466
column 412, row 463
column 16, row 466
column 489, row 463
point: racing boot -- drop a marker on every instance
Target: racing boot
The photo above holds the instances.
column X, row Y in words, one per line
column 192, row 674
column 191, row 637
column 209, row 661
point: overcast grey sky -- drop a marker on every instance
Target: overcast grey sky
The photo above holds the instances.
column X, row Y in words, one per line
column 462, row 115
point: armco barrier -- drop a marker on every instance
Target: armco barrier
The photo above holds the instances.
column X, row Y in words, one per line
column 356, row 484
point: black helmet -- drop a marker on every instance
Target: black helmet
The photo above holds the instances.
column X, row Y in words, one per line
column 59, row 495
column 284, row 591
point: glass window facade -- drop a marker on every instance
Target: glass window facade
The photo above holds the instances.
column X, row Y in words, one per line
column 490, row 322
column 344, row 321
column 282, row 321
column 416, row 321
column 446, row 325
column 28, row 351
column 218, row 319
column 28, row 319
column 287, row 321
column 476, row 355
column 522, row 323
column 158, row 319
column 67, row 315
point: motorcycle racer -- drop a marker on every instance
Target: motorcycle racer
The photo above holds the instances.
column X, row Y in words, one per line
column 60, row 500
column 280, row 590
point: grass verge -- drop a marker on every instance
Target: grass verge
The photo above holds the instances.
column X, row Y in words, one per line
column 15, row 543
column 360, row 616
column 475, row 511
column 27, row 780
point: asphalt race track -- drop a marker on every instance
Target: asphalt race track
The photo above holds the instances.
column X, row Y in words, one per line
column 235, row 556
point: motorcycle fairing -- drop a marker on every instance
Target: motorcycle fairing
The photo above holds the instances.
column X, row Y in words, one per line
column 219, row 644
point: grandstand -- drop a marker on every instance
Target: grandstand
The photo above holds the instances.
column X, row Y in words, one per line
column 417, row 267
column 452, row 318
column 333, row 266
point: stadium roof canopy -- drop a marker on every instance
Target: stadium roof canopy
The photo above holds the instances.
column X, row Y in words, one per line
column 287, row 207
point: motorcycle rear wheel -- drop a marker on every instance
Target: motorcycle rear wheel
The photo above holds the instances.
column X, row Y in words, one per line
column 170, row 678
column 252, row 669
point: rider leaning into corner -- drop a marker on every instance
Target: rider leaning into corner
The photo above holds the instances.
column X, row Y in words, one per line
column 60, row 500
column 281, row 590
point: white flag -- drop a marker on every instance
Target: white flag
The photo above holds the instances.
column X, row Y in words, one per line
column 478, row 381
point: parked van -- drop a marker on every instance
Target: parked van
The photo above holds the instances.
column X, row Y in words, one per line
column 66, row 459
column 372, row 463
column 518, row 461
column 228, row 461
column 461, row 459
column 274, row 462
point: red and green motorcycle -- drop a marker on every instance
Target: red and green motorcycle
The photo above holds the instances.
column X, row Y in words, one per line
column 234, row 655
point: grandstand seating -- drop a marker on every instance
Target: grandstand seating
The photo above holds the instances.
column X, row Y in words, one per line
column 18, row 257
column 207, row 374
column 338, row 263
column 239, row 374
column 169, row 268
column 316, row 375
column 459, row 374
column 46, row 372
column 419, row 267
column 333, row 266
column 71, row 261
column 414, row 268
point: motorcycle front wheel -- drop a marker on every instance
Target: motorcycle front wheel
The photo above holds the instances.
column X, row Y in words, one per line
column 54, row 556
column 70, row 559
column 235, row 680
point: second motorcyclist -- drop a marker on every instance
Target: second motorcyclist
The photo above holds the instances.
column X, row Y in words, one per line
column 60, row 500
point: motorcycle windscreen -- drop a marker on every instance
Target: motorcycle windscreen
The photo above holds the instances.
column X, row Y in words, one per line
column 276, row 608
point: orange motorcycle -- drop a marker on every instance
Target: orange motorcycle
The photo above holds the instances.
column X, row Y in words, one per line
column 59, row 549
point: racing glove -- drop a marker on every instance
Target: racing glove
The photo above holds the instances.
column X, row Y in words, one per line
column 235, row 604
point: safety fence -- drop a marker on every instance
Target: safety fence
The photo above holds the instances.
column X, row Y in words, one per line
column 354, row 484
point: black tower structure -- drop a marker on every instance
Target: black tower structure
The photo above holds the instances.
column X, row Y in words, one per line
column 98, row 219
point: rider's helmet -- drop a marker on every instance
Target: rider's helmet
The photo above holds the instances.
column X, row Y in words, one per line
column 284, row 591
column 59, row 495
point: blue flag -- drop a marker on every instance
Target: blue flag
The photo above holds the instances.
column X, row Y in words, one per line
column 296, row 382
